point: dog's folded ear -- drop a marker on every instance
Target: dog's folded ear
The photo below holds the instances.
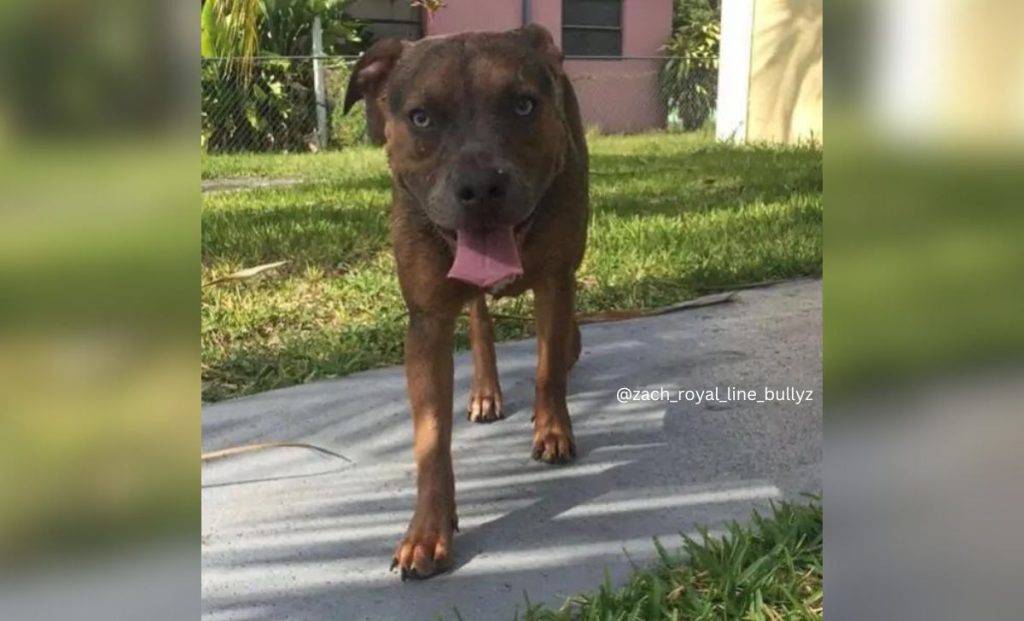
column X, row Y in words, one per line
column 540, row 39
column 371, row 71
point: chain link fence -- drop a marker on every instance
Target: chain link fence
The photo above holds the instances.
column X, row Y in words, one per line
column 273, row 106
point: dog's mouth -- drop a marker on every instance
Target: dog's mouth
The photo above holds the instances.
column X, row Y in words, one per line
column 519, row 231
column 488, row 257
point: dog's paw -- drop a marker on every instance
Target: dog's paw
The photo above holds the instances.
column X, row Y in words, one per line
column 426, row 549
column 554, row 446
column 484, row 405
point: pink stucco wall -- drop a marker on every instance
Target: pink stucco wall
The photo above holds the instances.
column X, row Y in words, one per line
column 463, row 15
column 618, row 96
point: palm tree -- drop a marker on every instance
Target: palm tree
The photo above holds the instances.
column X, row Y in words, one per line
column 231, row 29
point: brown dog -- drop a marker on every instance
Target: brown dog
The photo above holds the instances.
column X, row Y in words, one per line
column 489, row 169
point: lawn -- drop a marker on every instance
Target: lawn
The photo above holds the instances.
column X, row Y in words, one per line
column 768, row 571
column 673, row 216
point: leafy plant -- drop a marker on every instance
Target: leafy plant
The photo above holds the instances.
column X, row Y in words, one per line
column 288, row 27
column 689, row 78
column 430, row 6
column 346, row 130
column 263, row 100
column 230, row 28
column 265, row 109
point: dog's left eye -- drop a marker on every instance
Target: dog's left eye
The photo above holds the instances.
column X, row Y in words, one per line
column 420, row 118
column 525, row 105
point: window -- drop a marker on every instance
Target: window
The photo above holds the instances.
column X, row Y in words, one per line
column 388, row 19
column 592, row 27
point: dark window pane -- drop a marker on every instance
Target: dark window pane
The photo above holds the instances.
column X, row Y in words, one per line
column 591, row 42
column 592, row 13
column 383, row 30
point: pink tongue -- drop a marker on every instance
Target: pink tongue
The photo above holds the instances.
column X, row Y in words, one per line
column 486, row 257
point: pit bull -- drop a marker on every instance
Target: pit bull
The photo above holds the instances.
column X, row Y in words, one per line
column 488, row 163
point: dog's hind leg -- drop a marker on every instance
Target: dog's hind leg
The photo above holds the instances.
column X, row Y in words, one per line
column 485, row 394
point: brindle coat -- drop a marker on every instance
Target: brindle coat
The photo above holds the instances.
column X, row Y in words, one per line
column 451, row 107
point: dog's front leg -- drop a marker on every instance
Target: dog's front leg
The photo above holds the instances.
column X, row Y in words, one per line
column 427, row 546
column 485, row 393
column 557, row 349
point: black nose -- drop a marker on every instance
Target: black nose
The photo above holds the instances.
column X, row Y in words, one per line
column 481, row 186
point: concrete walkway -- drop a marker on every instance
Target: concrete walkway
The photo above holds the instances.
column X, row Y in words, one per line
column 290, row 533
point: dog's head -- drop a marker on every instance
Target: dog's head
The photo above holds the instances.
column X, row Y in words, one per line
column 475, row 131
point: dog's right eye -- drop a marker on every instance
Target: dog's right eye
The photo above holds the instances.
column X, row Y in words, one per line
column 420, row 118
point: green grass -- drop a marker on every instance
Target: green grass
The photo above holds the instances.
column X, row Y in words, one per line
column 770, row 570
column 673, row 216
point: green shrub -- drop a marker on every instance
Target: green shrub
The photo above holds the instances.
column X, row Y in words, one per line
column 346, row 130
column 689, row 78
column 266, row 103
column 271, row 110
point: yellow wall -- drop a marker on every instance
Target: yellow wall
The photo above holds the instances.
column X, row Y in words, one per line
column 786, row 87
column 980, row 94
